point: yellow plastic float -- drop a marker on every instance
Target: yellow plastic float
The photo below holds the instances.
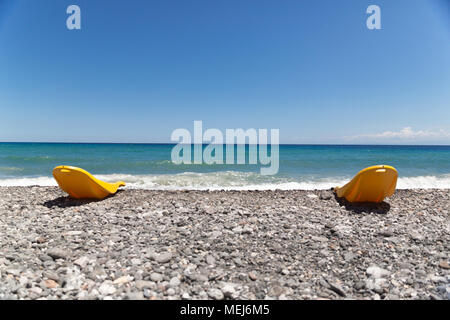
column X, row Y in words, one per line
column 371, row 184
column 80, row 184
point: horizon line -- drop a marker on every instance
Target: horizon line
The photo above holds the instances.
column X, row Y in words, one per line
column 281, row 144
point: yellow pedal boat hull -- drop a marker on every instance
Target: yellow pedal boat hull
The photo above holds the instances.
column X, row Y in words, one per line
column 80, row 184
column 371, row 184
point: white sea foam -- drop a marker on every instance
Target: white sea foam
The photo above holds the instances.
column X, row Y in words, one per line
column 232, row 180
column 227, row 180
column 424, row 182
column 35, row 181
column 9, row 169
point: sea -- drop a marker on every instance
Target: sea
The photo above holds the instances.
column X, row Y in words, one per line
column 149, row 166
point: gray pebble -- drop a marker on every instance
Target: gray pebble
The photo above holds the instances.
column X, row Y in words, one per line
column 216, row 294
column 156, row 277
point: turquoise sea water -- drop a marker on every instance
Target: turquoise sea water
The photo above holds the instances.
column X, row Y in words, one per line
column 150, row 166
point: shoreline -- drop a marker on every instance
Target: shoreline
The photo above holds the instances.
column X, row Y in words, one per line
column 250, row 188
column 198, row 244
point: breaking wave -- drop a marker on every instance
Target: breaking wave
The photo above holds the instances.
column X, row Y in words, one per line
column 232, row 180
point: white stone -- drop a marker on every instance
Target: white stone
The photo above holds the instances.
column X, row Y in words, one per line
column 377, row 272
column 107, row 288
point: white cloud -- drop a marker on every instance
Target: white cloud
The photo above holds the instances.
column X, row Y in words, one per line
column 405, row 134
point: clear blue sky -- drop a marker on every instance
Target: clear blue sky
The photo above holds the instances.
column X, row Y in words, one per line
column 137, row 70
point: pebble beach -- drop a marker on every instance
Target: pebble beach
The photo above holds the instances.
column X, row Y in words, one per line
column 280, row 244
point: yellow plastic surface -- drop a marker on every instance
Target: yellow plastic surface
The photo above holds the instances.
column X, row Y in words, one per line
column 80, row 184
column 371, row 184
